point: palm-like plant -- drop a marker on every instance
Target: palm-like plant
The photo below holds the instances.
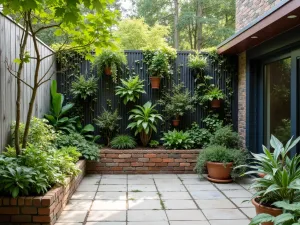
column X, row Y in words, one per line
column 145, row 119
column 282, row 174
column 130, row 89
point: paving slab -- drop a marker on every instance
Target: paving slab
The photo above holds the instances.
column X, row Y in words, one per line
column 215, row 204
column 104, row 205
column 106, row 223
column 78, row 205
column 223, row 214
column 180, row 204
column 72, row 216
column 145, row 195
column 201, row 187
column 144, row 204
column 147, row 215
column 250, row 212
column 175, row 195
column 113, row 181
column 199, row 195
column 242, row 202
column 184, row 215
column 229, row 222
column 81, row 195
column 141, row 187
column 237, row 194
column 189, row 223
column 107, row 195
column 102, row 216
column 119, row 188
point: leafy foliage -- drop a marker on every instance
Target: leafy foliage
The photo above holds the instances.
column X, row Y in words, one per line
column 282, row 173
column 177, row 140
column 83, row 88
column 135, row 34
column 41, row 134
column 291, row 215
column 87, row 131
column 110, row 59
column 212, row 122
column 123, row 142
column 213, row 93
column 200, row 136
column 153, row 144
column 227, row 137
column 57, row 117
column 197, row 62
column 221, row 154
column 177, row 101
column 108, row 123
column 159, row 62
column 145, row 119
column 88, row 150
column 131, row 89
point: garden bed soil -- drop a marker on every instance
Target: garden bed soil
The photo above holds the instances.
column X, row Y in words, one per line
column 40, row 210
column 144, row 161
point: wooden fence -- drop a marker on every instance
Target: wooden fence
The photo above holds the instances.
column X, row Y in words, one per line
column 10, row 36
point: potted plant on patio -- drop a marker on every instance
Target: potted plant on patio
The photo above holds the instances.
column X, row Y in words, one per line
column 177, row 102
column 214, row 95
column 110, row 63
column 159, row 64
column 144, row 120
column 281, row 177
column 219, row 162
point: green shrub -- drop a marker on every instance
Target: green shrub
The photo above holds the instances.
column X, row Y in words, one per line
column 71, row 152
column 225, row 136
column 108, row 123
column 212, row 122
column 200, row 136
column 153, row 144
column 131, row 89
column 123, row 142
column 41, row 134
column 221, row 154
column 89, row 150
column 83, row 88
column 18, row 180
column 177, row 140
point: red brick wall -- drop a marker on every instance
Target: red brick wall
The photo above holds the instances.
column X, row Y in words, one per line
column 144, row 161
column 248, row 10
column 40, row 210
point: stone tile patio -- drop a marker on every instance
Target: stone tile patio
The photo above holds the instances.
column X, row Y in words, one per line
column 158, row 199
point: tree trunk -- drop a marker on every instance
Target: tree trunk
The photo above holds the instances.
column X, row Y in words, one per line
column 199, row 25
column 36, row 84
column 176, row 32
column 19, row 73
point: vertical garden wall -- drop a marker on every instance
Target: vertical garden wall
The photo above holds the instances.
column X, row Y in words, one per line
column 222, row 70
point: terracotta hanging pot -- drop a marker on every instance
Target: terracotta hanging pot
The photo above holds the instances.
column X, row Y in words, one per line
column 155, row 82
column 261, row 175
column 219, row 172
column 215, row 103
column 176, row 123
column 265, row 209
column 108, row 71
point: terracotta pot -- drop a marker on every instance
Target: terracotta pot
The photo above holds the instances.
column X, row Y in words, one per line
column 107, row 71
column 261, row 175
column 215, row 103
column 264, row 209
column 175, row 123
column 155, row 82
column 219, row 172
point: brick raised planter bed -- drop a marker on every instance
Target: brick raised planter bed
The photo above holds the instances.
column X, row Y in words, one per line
column 144, row 161
column 40, row 210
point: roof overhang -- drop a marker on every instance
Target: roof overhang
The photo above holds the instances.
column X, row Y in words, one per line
column 265, row 27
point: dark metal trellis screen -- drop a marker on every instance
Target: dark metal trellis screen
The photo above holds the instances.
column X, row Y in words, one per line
column 106, row 97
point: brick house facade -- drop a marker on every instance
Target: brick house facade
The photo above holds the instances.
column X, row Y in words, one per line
column 267, row 44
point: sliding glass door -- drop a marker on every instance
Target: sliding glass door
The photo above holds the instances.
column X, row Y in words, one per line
column 277, row 100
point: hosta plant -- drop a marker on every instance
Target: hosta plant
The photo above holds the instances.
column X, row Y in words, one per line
column 123, row 142
column 177, row 140
column 281, row 181
column 290, row 216
column 144, row 121
column 57, row 117
column 131, row 89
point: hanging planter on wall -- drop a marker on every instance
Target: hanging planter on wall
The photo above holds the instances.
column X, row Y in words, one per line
column 175, row 123
column 108, row 71
column 155, row 82
column 215, row 103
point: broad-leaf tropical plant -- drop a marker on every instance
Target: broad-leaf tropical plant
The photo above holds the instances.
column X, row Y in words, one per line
column 290, row 215
column 57, row 117
column 281, row 181
column 131, row 89
column 144, row 121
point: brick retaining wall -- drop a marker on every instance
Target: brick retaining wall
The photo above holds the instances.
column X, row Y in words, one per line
column 40, row 210
column 144, row 161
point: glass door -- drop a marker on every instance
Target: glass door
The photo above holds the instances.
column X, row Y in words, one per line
column 277, row 100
